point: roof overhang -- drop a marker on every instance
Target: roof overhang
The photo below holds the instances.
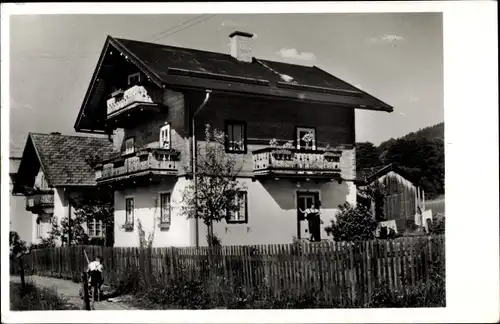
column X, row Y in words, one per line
column 28, row 168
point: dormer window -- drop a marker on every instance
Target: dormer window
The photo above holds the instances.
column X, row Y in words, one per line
column 165, row 137
column 134, row 79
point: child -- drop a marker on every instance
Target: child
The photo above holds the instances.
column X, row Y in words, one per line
column 94, row 271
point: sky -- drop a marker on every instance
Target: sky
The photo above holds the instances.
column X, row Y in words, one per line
column 397, row 57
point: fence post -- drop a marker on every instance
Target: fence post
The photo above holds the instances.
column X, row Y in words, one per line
column 85, row 289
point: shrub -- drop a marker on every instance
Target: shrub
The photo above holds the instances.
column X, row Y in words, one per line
column 36, row 298
column 353, row 223
column 438, row 225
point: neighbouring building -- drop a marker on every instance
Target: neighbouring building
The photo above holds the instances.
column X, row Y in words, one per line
column 155, row 100
column 21, row 220
column 403, row 207
column 54, row 172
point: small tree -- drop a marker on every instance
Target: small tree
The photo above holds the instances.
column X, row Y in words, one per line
column 353, row 223
column 17, row 246
column 98, row 208
column 375, row 193
column 86, row 209
column 216, row 183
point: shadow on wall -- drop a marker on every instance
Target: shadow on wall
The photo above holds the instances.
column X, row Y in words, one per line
column 144, row 197
column 332, row 194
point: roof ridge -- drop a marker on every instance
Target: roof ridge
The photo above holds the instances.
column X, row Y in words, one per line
column 171, row 46
column 64, row 135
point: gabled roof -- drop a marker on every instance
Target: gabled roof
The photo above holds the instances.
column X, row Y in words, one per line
column 64, row 159
column 368, row 175
column 195, row 69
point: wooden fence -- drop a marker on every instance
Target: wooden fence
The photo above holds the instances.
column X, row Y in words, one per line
column 345, row 273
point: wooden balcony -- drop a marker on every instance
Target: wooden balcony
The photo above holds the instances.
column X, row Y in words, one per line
column 123, row 106
column 40, row 202
column 145, row 165
column 292, row 163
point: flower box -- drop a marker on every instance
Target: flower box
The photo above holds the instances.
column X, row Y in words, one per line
column 164, row 226
column 128, row 226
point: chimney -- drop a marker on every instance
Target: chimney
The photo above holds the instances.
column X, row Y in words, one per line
column 240, row 46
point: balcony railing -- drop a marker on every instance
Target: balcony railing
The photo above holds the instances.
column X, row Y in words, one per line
column 126, row 99
column 39, row 201
column 143, row 162
column 293, row 162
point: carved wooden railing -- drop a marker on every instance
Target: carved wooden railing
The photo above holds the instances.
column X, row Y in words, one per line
column 145, row 160
column 39, row 201
column 131, row 95
column 291, row 159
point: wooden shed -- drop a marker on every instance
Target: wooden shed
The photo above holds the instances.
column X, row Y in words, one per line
column 405, row 200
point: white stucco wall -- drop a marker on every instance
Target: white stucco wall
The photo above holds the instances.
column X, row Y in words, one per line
column 60, row 206
column 181, row 229
column 272, row 211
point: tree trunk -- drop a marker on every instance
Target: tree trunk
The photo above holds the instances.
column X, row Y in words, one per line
column 21, row 269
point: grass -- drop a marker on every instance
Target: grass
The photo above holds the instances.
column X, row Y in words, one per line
column 36, row 298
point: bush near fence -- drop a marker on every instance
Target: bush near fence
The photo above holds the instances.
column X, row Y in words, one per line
column 343, row 274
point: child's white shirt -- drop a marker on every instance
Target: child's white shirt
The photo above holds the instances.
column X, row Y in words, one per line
column 95, row 265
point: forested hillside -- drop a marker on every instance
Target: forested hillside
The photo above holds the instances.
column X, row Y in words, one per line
column 419, row 153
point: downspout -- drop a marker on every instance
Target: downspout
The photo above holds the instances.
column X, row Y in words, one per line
column 193, row 125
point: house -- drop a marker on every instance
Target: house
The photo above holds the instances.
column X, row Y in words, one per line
column 155, row 100
column 404, row 207
column 20, row 219
column 54, row 172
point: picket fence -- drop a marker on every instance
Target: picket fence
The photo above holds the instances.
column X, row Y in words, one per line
column 341, row 272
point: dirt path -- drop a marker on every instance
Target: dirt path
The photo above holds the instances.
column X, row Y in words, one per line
column 70, row 290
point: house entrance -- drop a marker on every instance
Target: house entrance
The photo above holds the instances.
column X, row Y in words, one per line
column 307, row 227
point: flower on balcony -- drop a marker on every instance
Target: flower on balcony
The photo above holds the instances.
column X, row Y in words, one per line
column 273, row 143
column 308, row 138
column 284, row 152
column 288, row 145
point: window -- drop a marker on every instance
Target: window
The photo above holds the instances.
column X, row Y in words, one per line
column 39, row 230
column 236, row 137
column 43, row 183
column 94, row 227
column 129, row 145
column 165, row 208
column 129, row 210
column 240, row 215
column 134, row 79
column 165, row 137
column 306, row 138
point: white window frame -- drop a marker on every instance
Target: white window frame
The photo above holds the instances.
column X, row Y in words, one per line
column 131, row 219
column 231, row 219
column 96, row 223
column 130, row 78
column 129, row 149
column 305, row 129
column 165, row 136
column 169, row 216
